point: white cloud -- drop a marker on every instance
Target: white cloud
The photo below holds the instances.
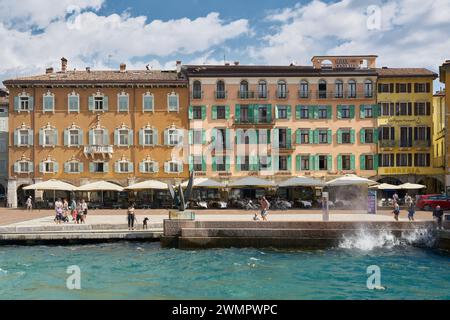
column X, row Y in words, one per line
column 36, row 13
column 87, row 38
column 411, row 33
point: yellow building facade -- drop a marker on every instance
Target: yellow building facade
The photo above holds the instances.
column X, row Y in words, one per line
column 83, row 126
column 406, row 130
column 444, row 77
column 439, row 129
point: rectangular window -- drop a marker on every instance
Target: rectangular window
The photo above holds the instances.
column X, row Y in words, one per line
column 221, row 164
column 24, row 104
column 221, row 112
column 282, row 112
column 387, row 109
column 98, row 103
column 148, row 137
column 197, row 136
column 420, row 88
column 197, row 112
column 304, row 137
column 74, row 167
column 173, row 137
column 386, row 160
column 403, row 109
column 368, row 112
column 123, row 166
column 24, row 166
column 323, row 136
column 48, row 167
column 422, row 159
column 345, row 112
column 23, row 137
column 264, row 162
column 323, row 163
column 149, row 166
column 345, row 136
column 98, row 137
column 244, row 114
column 404, row 160
column 368, row 135
column 422, row 133
column 387, row 133
column 74, row 138
column 304, row 163
column 403, row 87
column 198, row 163
column 383, row 88
column 221, row 139
column 173, row 167
column 304, row 112
column 48, row 103
column 49, row 137
column 74, row 103
column 245, row 163
column 421, row 109
column 282, row 138
column 282, row 163
column 346, row 162
column 4, row 124
column 123, row 137
column 123, row 103
column 173, row 103
column 323, row 112
column 99, row 167
column 369, row 165
column 405, row 137
column 148, row 103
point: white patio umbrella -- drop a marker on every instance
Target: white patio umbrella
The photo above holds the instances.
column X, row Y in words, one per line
column 251, row 182
column 100, row 186
column 52, row 185
column 301, row 181
column 386, row 186
column 204, row 183
column 350, row 180
column 412, row 186
column 148, row 185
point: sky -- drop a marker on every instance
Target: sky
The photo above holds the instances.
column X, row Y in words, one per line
column 101, row 34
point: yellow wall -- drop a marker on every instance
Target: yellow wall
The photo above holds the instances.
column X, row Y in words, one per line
column 439, row 130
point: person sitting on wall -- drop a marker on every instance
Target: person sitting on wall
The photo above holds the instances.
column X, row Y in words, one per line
column 437, row 215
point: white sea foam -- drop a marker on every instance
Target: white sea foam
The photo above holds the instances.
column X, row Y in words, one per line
column 3, row 271
column 367, row 240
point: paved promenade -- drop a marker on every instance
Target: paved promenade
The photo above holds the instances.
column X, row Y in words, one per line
column 17, row 217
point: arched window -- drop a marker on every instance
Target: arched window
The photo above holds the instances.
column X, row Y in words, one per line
column 352, row 89
column 304, row 89
column 73, row 102
column 148, row 102
column 123, row 102
column 220, row 90
column 123, row 136
column 48, row 166
column 339, row 89
column 262, row 89
column 197, row 90
column 148, row 166
column 73, row 166
column 243, row 90
column 148, row 136
column 48, row 102
column 368, row 88
column 123, row 166
column 173, row 102
column 322, row 89
column 48, row 136
column 282, row 91
column 173, row 166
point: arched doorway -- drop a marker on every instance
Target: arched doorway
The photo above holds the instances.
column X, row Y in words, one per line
column 22, row 195
column 434, row 185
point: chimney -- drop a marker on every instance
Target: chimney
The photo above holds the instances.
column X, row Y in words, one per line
column 49, row 70
column 236, row 63
column 178, row 66
column 63, row 64
column 123, row 67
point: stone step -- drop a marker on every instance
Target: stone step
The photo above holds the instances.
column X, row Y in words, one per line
column 72, row 227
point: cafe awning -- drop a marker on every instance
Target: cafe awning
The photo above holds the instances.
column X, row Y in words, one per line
column 53, row 185
column 204, row 183
column 148, row 185
column 350, row 180
column 301, row 181
column 100, row 186
column 251, row 182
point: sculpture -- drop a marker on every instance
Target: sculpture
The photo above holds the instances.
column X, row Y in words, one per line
column 179, row 197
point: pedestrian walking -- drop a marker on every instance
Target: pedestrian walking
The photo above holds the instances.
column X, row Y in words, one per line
column 73, row 209
column 395, row 198
column 265, row 205
column 411, row 211
column 29, row 204
column 437, row 215
column 131, row 217
column 84, row 208
column 396, row 211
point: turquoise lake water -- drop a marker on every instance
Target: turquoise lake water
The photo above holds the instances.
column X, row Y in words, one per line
column 145, row 271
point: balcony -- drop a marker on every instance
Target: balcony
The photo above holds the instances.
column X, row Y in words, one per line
column 388, row 143
column 93, row 150
column 329, row 94
column 282, row 94
column 302, row 94
column 250, row 121
column 422, row 144
column 245, row 95
column 220, row 95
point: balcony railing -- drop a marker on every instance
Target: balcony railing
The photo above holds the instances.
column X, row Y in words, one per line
column 253, row 120
column 388, row 143
column 246, row 94
column 304, row 94
column 94, row 149
column 283, row 94
column 220, row 94
column 330, row 94
column 197, row 94
column 422, row 143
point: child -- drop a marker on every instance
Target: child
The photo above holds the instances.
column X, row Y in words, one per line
column 396, row 211
column 411, row 212
column 144, row 223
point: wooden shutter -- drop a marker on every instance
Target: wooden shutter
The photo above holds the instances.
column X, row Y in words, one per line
column 362, row 162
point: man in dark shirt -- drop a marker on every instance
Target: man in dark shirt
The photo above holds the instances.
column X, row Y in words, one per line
column 437, row 215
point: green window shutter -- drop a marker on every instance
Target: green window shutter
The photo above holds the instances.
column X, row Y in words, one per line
column 214, row 164
column 141, row 137
column 276, row 112
column 276, row 138
column 31, row 102
column 339, row 136
column 297, row 162
column 214, row 113
column 376, row 110
column 329, row 162
column 289, row 138
column 375, row 135
column 116, row 137
column 289, row 112
column 269, row 112
column 352, row 162
column 316, row 111
column 339, row 111
column 191, row 112
column 66, row 137
column 237, row 166
column 352, row 136
column 91, row 167
column 311, row 136
column 362, row 111
column 80, row 167
column 41, row 137
column 276, row 163
column 203, row 136
column 316, row 162
column 191, row 163
column 362, row 162
column 289, row 163
column 203, row 164
column 297, row 136
column 375, row 162
column 130, row 138
column 329, row 112
column 297, row 112
column 339, row 162
column 191, row 137
column 91, row 137
column 316, row 136
column 254, row 163
column 105, row 103
column 268, row 136
column 16, row 104
column 362, row 135
column 228, row 139
column 352, row 112
column 91, row 103
column 228, row 163
column 213, row 135
column 312, row 163
column 330, row 136
column 227, row 112
column 55, row 137
column 237, row 113
column 203, row 112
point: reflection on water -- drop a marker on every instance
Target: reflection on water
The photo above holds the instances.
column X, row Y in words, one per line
column 145, row 271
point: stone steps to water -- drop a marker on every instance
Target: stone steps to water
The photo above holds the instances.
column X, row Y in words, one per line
column 72, row 227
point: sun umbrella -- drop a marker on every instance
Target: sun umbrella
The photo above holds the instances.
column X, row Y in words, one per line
column 386, row 186
column 411, row 186
column 301, row 182
column 100, row 186
column 54, row 185
column 148, row 185
column 349, row 180
column 204, row 183
column 251, row 182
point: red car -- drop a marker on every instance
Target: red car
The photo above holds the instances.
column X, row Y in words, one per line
column 429, row 201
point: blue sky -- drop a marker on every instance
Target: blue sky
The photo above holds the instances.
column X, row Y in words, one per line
column 103, row 33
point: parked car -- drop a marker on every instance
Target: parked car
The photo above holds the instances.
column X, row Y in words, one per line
column 429, row 201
